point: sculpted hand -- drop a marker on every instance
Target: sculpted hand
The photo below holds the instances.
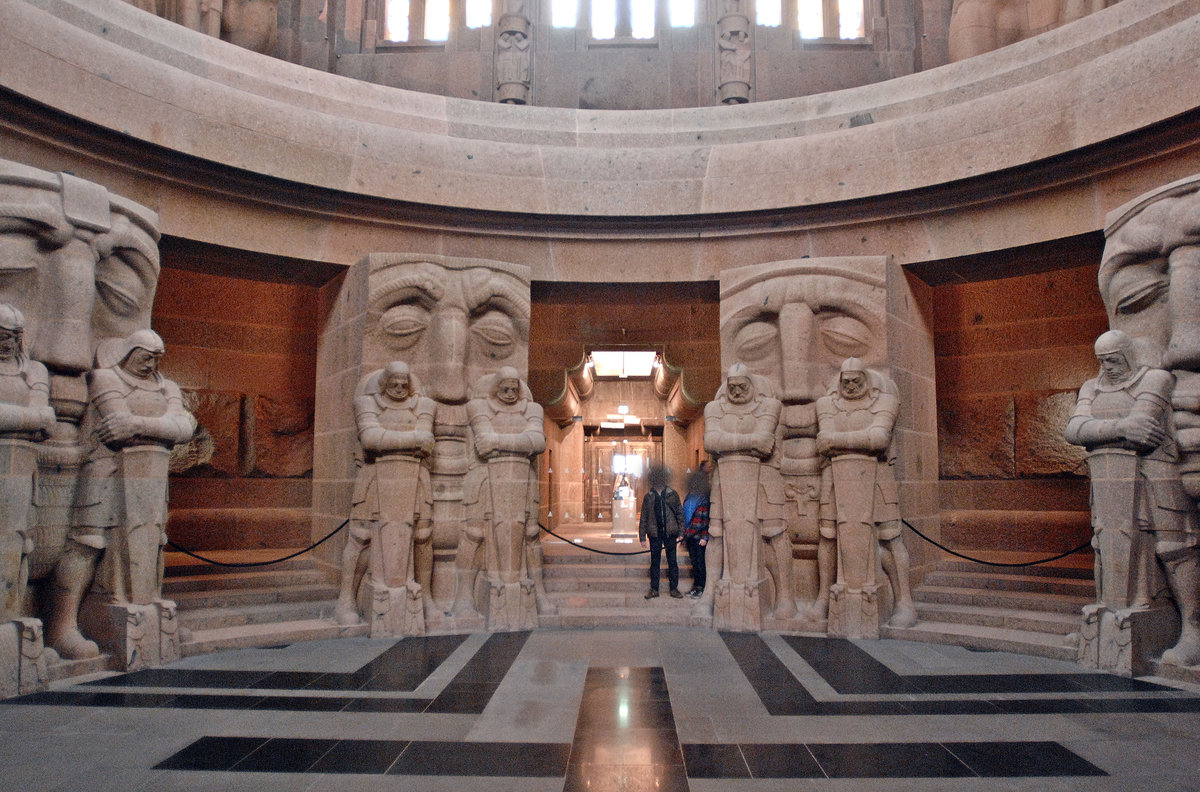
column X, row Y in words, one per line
column 117, row 428
column 824, row 443
column 1142, row 430
column 486, row 445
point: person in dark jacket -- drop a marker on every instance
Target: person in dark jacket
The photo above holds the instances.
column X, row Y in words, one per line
column 661, row 523
column 695, row 532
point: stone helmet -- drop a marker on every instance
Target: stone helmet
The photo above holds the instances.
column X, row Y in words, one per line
column 852, row 365
column 397, row 368
column 11, row 318
column 505, row 373
column 1115, row 341
column 143, row 339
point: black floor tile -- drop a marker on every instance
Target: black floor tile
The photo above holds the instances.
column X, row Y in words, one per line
column 714, row 761
column 215, row 701
column 984, row 684
column 59, row 698
column 1013, row 759
column 284, row 755
column 857, row 708
column 780, row 692
column 847, row 668
column 887, row 760
column 769, row 760
column 386, row 705
column 626, row 746
column 1131, row 705
column 130, row 699
column 1041, row 706
column 212, row 753
column 950, row 707
column 616, row 714
column 303, row 703
column 491, row 662
column 289, row 680
column 1110, row 683
column 625, row 778
column 360, row 756
column 483, row 759
column 342, row 682
column 463, row 699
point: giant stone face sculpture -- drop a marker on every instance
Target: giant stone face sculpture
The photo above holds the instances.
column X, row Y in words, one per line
column 794, row 322
column 454, row 321
column 81, row 265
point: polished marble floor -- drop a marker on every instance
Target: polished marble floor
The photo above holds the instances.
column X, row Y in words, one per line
column 605, row 710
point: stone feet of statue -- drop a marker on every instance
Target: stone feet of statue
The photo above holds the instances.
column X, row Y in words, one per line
column 904, row 615
column 346, row 614
column 71, row 645
column 545, row 607
column 818, row 610
column 1187, row 651
column 785, row 608
column 432, row 611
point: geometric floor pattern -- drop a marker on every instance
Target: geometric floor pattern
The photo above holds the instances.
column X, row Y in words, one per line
column 605, row 710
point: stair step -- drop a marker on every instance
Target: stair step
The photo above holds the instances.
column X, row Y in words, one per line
column 274, row 634
column 1002, row 618
column 1012, row 600
column 244, row 580
column 212, row 618
column 239, row 598
column 625, row 617
column 187, row 569
column 1042, row 570
column 1010, row 582
column 601, row 570
column 987, row 638
column 617, row 599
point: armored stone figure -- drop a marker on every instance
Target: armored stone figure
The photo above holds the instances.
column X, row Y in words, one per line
column 502, row 504
column 747, row 502
column 735, row 50
column 392, row 509
column 26, row 418
column 1140, row 511
column 454, row 321
column 860, row 504
column 133, row 419
column 512, row 54
column 794, row 322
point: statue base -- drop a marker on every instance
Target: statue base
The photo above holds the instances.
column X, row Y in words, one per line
column 1125, row 641
column 738, row 606
column 396, row 612
column 137, row 636
column 511, row 606
column 22, row 657
column 853, row 613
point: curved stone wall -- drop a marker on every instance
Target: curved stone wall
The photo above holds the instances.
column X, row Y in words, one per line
column 1025, row 144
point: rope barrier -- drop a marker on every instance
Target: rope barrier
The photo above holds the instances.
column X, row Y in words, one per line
column 313, row 546
column 590, row 549
column 941, row 546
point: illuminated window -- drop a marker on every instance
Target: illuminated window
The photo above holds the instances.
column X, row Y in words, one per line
column 846, row 21
column 683, row 13
column 479, row 13
column 623, row 19
column 419, row 20
column 563, row 13
column 604, row 19
column 769, row 12
column 641, row 19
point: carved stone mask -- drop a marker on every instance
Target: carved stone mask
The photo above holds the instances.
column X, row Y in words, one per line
column 397, row 387
column 80, row 263
column 453, row 320
column 508, row 391
column 142, row 363
column 794, row 322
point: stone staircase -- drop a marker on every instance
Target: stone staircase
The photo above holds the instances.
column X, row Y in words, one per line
column 1029, row 610
column 239, row 607
column 593, row 589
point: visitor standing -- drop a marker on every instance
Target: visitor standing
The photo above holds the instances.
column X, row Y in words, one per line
column 661, row 523
column 695, row 534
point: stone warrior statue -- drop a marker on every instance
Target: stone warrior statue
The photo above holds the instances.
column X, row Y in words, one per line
column 860, row 504
column 392, row 509
column 26, row 418
column 748, row 502
column 1139, row 508
column 501, row 496
column 134, row 417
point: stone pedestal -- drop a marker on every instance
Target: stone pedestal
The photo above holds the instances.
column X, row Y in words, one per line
column 853, row 613
column 396, row 612
column 22, row 657
column 1125, row 641
column 137, row 636
column 511, row 606
column 738, row 606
